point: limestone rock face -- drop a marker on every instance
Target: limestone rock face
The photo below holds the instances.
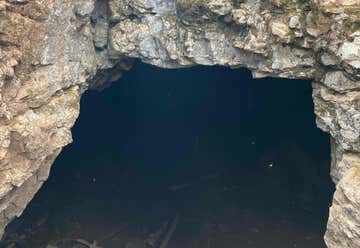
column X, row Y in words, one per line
column 343, row 230
column 47, row 57
column 51, row 51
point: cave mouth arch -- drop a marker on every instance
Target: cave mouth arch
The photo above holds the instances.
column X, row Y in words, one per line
column 205, row 142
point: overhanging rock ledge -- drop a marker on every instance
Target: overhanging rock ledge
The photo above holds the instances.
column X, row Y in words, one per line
column 51, row 51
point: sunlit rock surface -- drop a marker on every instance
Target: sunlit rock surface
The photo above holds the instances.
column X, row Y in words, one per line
column 51, row 51
column 343, row 227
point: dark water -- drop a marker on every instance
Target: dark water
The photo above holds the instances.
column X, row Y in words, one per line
column 239, row 161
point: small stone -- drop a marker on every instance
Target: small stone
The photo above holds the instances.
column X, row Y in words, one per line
column 101, row 34
column 350, row 52
column 337, row 81
column 280, row 29
column 312, row 31
column 239, row 16
column 328, row 59
column 84, row 8
column 294, row 22
column 220, row 7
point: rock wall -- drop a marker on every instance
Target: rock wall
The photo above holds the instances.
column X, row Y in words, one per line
column 51, row 51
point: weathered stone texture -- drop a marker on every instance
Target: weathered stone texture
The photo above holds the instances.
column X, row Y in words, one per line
column 343, row 227
column 51, row 51
column 47, row 57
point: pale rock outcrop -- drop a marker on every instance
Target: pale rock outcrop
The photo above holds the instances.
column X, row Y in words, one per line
column 51, row 51
column 343, row 228
column 47, row 59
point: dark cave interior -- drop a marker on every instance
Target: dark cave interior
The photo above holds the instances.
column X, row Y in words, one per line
column 196, row 157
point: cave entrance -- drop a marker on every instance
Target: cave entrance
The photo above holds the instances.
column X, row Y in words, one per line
column 197, row 157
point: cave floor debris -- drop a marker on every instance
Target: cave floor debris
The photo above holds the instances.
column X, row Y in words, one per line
column 133, row 213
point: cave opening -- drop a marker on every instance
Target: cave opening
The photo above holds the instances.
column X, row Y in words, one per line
column 194, row 157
